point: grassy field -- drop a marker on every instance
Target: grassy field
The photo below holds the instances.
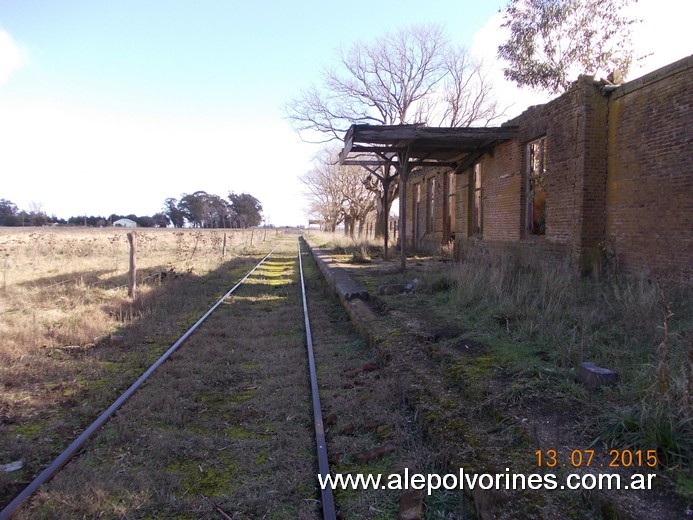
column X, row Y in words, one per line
column 490, row 353
column 72, row 338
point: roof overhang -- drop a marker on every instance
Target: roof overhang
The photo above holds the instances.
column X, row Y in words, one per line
column 372, row 145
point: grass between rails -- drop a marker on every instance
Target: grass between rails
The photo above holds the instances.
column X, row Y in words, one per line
column 224, row 421
column 489, row 356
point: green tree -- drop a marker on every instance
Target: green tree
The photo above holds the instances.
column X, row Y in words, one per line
column 247, row 210
column 173, row 212
column 160, row 219
column 8, row 213
column 206, row 210
column 194, row 207
column 551, row 42
column 146, row 221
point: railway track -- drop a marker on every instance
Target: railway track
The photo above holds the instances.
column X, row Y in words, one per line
column 270, row 281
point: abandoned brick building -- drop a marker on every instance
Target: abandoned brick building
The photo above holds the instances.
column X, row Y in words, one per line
column 602, row 173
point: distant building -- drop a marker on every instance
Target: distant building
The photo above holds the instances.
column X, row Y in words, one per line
column 124, row 222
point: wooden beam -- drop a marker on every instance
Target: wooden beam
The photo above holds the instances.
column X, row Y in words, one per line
column 374, row 134
column 380, row 162
column 376, row 149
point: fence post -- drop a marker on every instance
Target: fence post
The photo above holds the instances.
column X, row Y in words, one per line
column 132, row 276
column 223, row 247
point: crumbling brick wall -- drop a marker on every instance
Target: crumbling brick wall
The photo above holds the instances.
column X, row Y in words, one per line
column 619, row 179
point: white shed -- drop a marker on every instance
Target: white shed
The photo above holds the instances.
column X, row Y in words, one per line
column 124, row 222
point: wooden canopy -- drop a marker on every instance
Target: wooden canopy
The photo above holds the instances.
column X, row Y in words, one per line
column 410, row 146
column 370, row 145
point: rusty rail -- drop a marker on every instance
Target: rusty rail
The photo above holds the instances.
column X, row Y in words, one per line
column 328, row 510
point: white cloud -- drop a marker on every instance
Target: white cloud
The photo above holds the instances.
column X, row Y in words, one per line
column 11, row 56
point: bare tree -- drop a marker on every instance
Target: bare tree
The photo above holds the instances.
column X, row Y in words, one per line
column 467, row 96
column 413, row 75
column 323, row 192
column 359, row 199
column 385, row 82
column 337, row 194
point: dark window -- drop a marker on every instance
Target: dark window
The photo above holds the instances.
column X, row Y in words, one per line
column 477, row 206
column 452, row 197
column 536, row 187
column 431, row 206
column 417, row 213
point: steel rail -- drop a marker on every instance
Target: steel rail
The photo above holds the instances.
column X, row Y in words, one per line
column 328, row 511
column 72, row 449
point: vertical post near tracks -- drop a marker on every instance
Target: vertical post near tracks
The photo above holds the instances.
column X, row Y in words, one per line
column 223, row 247
column 132, row 276
column 328, row 510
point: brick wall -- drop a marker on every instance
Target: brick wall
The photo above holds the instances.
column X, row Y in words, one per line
column 501, row 179
column 649, row 187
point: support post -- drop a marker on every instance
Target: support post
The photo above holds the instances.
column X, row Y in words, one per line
column 223, row 247
column 403, row 178
column 132, row 275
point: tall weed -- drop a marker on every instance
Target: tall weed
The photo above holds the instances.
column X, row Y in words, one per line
column 635, row 325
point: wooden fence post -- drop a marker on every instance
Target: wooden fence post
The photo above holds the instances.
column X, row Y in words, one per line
column 223, row 248
column 132, row 277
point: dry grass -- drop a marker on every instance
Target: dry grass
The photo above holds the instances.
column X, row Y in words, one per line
column 641, row 327
column 617, row 322
column 359, row 249
column 63, row 296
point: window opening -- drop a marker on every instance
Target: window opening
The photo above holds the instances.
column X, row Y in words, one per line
column 452, row 197
column 477, row 207
column 430, row 221
column 536, row 187
column 417, row 213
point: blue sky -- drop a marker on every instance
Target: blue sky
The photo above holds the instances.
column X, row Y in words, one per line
column 113, row 106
